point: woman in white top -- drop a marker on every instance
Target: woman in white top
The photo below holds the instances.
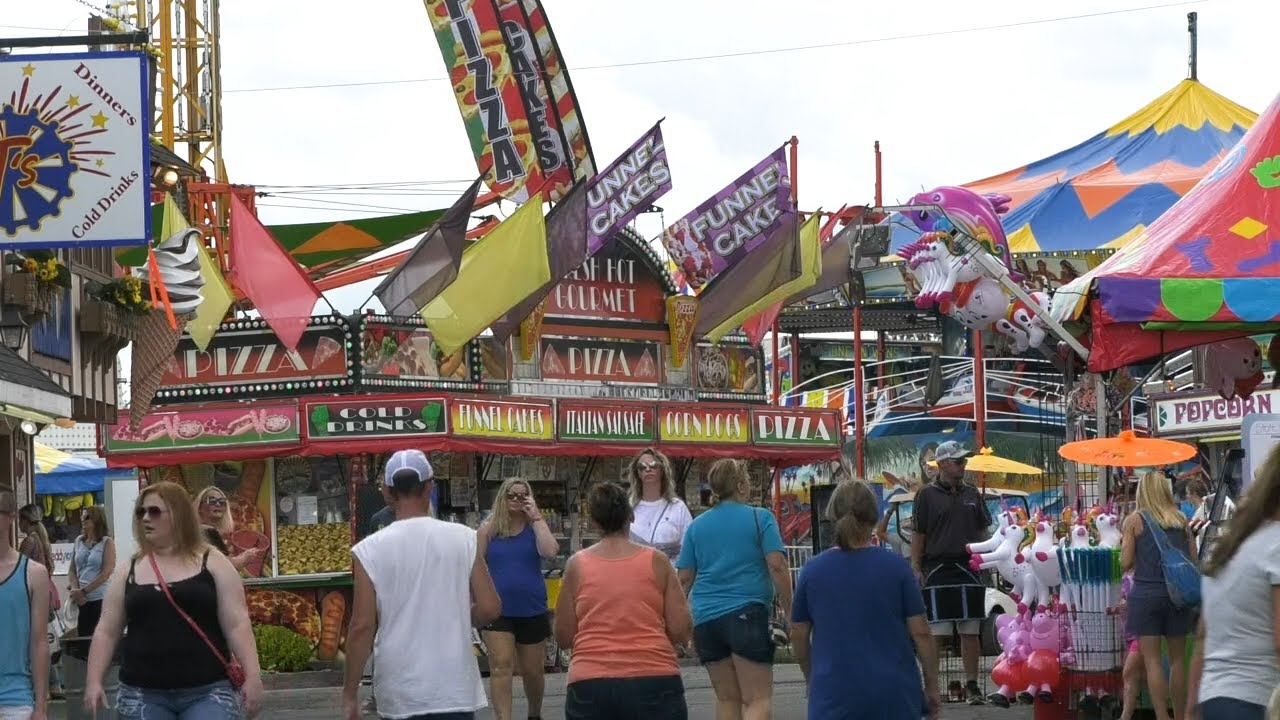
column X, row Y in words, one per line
column 1236, row 666
column 660, row 517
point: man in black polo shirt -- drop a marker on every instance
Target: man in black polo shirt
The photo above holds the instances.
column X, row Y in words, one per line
column 948, row 515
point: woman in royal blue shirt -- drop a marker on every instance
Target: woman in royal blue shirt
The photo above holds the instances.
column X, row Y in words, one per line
column 856, row 613
column 513, row 542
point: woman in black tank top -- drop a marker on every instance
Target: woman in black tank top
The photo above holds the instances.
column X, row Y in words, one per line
column 168, row 666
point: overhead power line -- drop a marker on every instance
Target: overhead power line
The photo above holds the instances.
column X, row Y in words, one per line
column 753, row 53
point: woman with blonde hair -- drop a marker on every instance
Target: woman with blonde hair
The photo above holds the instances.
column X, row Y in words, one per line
column 1152, row 616
column 189, row 652
column 513, row 541
column 733, row 565
column 855, row 647
column 36, row 545
column 215, row 522
column 661, row 517
column 1236, row 667
column 93, row 559
column 621, row 599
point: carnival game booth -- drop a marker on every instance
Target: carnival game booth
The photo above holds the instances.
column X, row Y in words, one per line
column 297, row 438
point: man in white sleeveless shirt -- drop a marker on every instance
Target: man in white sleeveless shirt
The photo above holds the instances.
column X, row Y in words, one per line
column 419, row 589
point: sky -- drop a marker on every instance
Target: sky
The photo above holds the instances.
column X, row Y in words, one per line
column 954, row 90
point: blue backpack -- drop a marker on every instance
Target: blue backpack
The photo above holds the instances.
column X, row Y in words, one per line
column 1181, row 577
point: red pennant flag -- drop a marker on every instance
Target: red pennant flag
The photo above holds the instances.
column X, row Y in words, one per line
column 269, row 277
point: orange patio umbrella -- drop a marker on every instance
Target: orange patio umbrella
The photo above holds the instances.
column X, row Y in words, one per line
column 1127, row 450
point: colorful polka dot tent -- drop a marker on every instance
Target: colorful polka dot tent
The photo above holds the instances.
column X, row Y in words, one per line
column 1211, row 263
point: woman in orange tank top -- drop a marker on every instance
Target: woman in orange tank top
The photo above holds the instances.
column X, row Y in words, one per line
column 621, row 600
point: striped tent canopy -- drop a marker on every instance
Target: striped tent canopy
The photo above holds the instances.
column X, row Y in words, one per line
column 1109, row 188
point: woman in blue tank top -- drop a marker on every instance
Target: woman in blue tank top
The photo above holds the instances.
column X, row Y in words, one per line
column 1152, row 617
column 513, row 541
column 24, row 609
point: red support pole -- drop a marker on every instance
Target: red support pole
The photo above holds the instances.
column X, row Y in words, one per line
column 859, row 399
column 979, row 390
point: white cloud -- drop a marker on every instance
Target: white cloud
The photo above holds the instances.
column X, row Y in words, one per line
column 947, row 109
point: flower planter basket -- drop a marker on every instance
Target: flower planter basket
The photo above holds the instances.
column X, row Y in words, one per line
column 107, row 322
column 27, row 292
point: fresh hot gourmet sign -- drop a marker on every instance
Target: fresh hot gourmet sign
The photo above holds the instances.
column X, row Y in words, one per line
column 612, row 285
column 626, row 188
column 74, row 153
column 720, row 232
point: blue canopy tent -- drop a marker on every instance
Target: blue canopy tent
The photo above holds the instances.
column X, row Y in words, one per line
column 59, row 473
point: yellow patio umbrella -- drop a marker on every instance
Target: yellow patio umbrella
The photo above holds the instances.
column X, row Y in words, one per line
column 986, row 461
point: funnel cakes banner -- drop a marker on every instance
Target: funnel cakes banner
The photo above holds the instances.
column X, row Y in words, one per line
column 74, row 154
column 731, row 224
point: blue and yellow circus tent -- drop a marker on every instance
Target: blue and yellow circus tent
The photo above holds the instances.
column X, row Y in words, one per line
column 1106, row 190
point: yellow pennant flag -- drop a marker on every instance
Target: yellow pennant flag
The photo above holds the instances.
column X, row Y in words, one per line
column 497, row 273
column 810, row 271
column 217, row 300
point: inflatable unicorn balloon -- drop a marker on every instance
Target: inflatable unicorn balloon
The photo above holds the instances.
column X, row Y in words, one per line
column 1043, row 558
column 1078, row 537
column 1007, row 561
column 1108, row 527
column 953, row 281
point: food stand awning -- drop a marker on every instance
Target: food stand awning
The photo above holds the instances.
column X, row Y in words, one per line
column 336, row 425
column 60, row 473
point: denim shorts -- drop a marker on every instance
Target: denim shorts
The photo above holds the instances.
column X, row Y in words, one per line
column 638, row 698
column 743, row 632
column 1225, row 708
column 217, row 701
column 1155, row 616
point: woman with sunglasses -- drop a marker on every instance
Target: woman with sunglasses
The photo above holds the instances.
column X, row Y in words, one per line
column 661, row 517
column 184, row 609
column 92, row 562
column 217, row 526
column 513, row 541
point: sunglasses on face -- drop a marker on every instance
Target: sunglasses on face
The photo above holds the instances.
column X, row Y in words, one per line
column 215, row 500
column 517, row 496
column 648, row 466
column 149, row 511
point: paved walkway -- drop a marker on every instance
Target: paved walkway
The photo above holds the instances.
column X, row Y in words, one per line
column 789, row 701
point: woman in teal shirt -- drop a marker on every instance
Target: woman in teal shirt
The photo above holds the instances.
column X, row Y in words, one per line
column 733, row 564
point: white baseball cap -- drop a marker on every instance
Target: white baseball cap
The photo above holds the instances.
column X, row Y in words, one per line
column 403, row 460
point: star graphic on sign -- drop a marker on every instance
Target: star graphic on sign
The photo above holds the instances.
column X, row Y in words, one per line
column 73, row 101
column 99, row 120
column 28, row 70
column 100, row 163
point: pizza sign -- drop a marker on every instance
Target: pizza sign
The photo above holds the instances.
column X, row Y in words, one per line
column 580, row 359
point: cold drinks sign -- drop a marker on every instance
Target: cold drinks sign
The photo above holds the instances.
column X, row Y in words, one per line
column 376, row 417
